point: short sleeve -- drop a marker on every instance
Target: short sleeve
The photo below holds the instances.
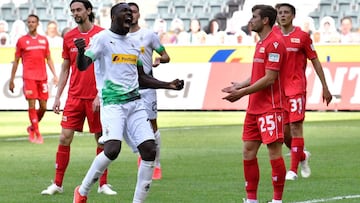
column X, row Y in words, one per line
column 94, row 48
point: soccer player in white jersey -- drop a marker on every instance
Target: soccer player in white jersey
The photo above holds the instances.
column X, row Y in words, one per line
column 119, row 74
column 149, row 42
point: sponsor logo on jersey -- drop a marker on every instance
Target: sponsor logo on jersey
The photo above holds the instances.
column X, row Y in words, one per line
column 124, row 58
column 258, row 60
column 274, row 57
column 262, row 50
column 295, row 40
column 293, row 49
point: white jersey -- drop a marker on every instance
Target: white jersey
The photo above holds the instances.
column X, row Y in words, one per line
column 116, row 59
column 149, row 42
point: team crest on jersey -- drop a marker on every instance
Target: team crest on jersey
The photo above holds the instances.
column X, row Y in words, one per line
column 262, row 50
column 295, row 40
column 274, row 57
column 124, row 58
column 142, row 50
column 42, row 41
column 276, row 44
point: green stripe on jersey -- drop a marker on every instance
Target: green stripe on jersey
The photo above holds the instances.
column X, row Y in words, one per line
column 117, row 94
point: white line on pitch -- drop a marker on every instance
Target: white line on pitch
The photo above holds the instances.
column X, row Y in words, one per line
column 330, row 199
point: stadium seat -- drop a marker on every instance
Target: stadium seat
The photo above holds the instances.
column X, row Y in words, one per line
column 326, row 6
column 163, row 6
column 180, row 6
column 62, row 23
column 215, row 8
column 168, row 17
column 150, row 19
column 41, row 10
column 344, row 6
column 24, row 10
column 232, row 6
column 198, row 7
column 8, row 11
column 186, row 19
column 58, row 8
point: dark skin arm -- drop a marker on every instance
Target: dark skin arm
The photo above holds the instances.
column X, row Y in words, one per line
column 151, row 82
column 145, row 80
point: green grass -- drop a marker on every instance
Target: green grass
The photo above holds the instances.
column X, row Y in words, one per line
column 201, row 160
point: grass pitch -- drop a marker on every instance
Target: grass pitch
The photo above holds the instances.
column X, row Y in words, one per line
column 201, row 160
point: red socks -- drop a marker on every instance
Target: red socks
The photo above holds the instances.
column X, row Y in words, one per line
column 297, row 153
column 62, row 161
column 34, row 119
column 252, row 174
column 103, row 178
column 278, row 177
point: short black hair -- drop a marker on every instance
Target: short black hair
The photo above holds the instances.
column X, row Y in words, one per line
column 134, row 4
column 35, row 16
column 87, row 5
column 112, row 11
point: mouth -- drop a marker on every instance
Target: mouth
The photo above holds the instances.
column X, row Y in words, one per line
column 128, row 20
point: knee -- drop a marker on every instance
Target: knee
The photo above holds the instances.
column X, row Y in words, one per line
column 147, row 150
column 112, row 149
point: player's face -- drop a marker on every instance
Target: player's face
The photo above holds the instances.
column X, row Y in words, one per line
column 135, row 15
column 32, row 24
column 256, row 23
column 122, row 19
column 284, row 16
column 79, row 12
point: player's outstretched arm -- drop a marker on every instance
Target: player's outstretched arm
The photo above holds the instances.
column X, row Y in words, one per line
column 151, row 82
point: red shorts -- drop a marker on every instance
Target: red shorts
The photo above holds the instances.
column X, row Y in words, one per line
column 296, row 108
column 75, row 112
column 35, row 89
column 267, row 128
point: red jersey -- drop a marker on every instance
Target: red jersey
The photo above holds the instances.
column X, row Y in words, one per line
column 299, row 47
column 82, row 83
column 33, row 52
column 270, row 53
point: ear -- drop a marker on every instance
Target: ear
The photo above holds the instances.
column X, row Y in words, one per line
column 265, row 20
column 89, row 11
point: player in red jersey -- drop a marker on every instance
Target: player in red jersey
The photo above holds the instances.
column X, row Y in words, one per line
column 264, row 116
column 33, row 49
column 300, row 48
column 82, row 101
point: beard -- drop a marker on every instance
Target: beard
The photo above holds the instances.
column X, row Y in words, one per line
column 79, row 20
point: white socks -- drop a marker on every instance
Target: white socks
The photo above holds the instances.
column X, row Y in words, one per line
column 158, row 144
column 144, row 179
column 97, row 168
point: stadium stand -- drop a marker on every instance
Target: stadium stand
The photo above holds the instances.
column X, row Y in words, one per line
column 204, row 10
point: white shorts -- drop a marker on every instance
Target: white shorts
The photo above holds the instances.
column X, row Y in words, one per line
column 127, row 122
column 150, row 102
